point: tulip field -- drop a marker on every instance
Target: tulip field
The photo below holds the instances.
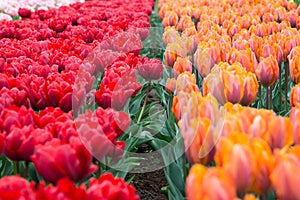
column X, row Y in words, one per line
column 98, row 96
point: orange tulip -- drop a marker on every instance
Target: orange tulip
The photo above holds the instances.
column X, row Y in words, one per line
column 170, row 19
column 194, row 182
column 285, row 178
column 294, row 66
column 173, row 50
column 185, row 22
column 267, row 71
column 186, row 82
column 271, row 49
column 250, row 89
column 181, row 65
column 209, row 184
column 170, row 35
column 295, row 118
column 245, row 57
column 198, row 139
column 231, row 83
column 295, row 95
column 234, row 154
column 170, row 85
column 179, row 104
column 205, row 58
column 265, row 162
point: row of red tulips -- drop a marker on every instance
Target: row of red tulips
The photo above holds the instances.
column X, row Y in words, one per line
column 46, row 58
column 106, row 187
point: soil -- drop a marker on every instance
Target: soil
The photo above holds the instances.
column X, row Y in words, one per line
column 149, row 185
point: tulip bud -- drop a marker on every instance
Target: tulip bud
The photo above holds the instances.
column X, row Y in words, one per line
column 267, row 71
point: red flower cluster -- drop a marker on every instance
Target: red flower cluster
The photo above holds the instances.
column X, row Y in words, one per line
column 41, row 54
column 119, row 82
column 106, row 187
column 52, row 136
column 41, row 58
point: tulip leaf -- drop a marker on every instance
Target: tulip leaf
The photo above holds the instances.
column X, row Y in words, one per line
column 6, row 166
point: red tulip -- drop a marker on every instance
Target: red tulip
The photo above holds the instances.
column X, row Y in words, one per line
column 15, row 187
column 52, row 161
column 151, row 69
column 108, row 187
column 24, row 12
column 20, row 142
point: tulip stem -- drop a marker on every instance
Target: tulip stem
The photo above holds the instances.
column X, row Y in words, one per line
column 145, row 102
column 271, row 96
column 280, row 89
column 17, row 167
column 26, row 169
column 267, row 98
column 260, row 95
column 99, row 170
column 286, row 65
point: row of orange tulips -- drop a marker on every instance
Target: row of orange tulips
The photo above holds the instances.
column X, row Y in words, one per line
column 236, row 47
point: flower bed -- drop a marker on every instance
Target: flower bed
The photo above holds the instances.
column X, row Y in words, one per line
column 42, row 57
column 243, row 53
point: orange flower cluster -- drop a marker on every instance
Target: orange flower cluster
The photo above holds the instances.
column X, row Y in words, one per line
column 245, row 164
column 233, row 44
column 196, row 116
column 231, row 83
column 258, row 34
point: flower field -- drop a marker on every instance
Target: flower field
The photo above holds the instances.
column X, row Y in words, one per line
column 210, row 88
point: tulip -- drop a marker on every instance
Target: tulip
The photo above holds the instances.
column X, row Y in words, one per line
column 205, row 59
column 151, row 69
column 170, row 19
column 250, row 89
column 20, row 142
column 295, row 95
column 170, row 85
column 284, row 179
column 173, row 50
column 52, row 161
column 212, row 183
column 170, row 35
column 198, row 139
column 265, row 161
column 179, row 104
column 245, row 57
column 185, row 22
column 294, row 69
column 181, row 65
column 186, row 82
column 295, row 116
column 109, row 187
column 225, row 83
column 267, row 71
column 15, row 187
column 235, row 155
